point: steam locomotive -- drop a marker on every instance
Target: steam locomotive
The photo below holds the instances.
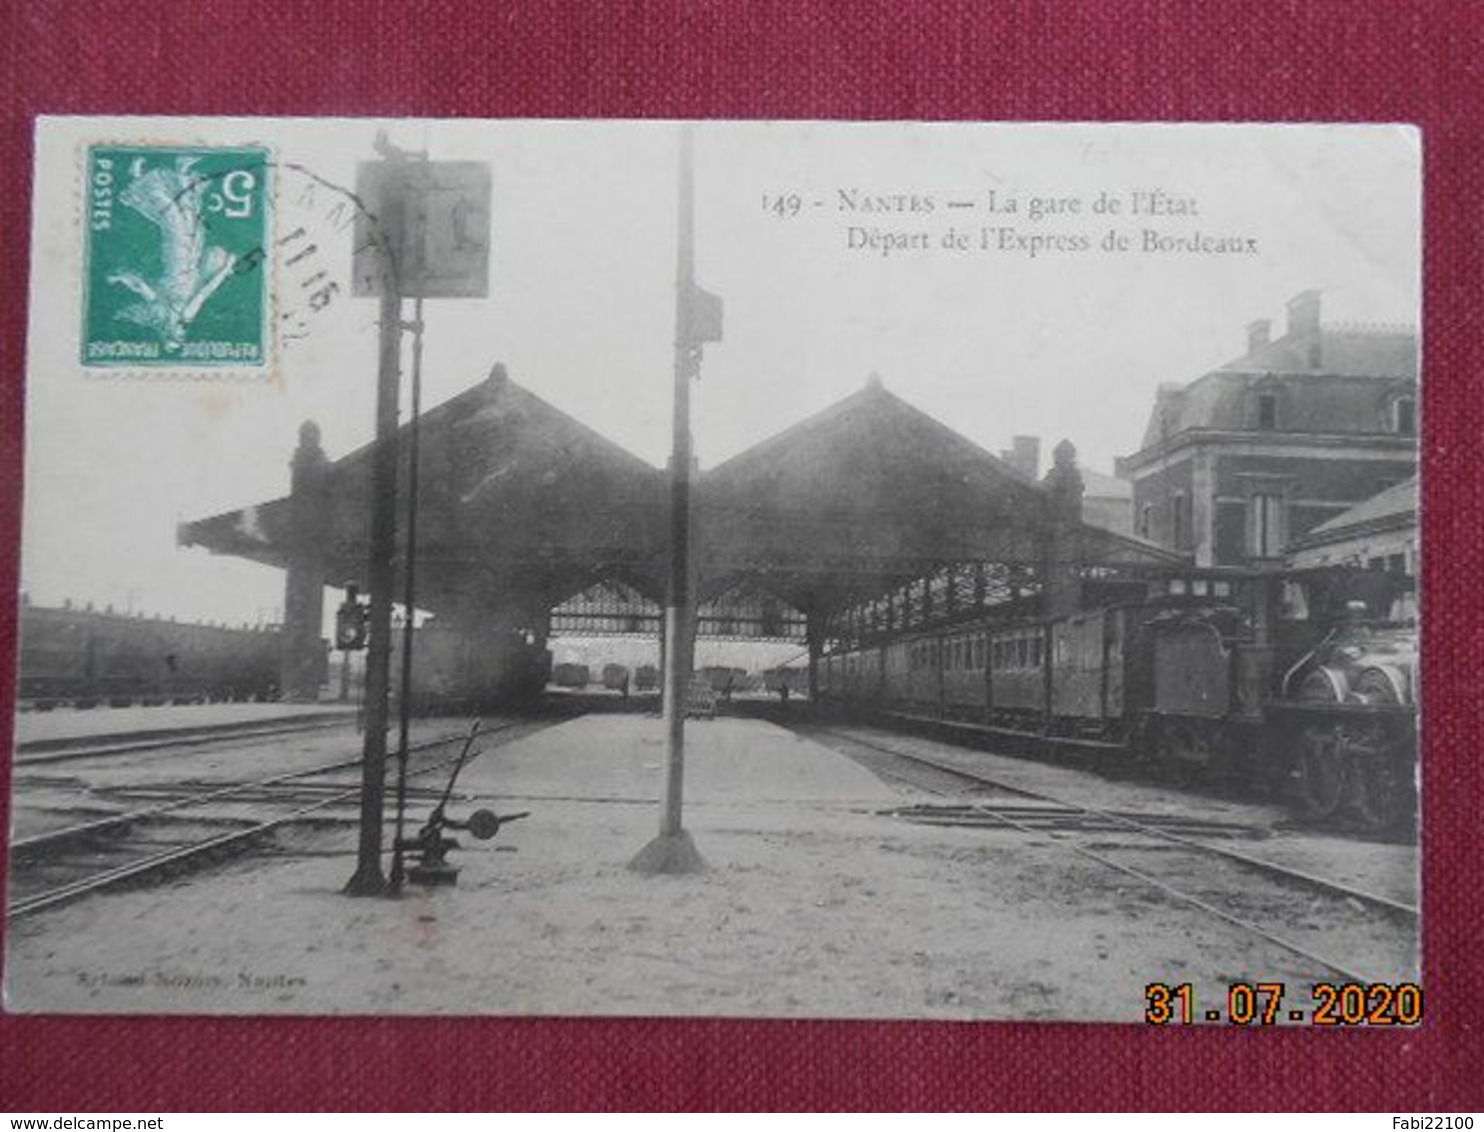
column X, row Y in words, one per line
column 1303, row 680
column 458, row 669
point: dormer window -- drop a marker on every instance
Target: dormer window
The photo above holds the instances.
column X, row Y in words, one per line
column 1267, row 411
column 1266, row 404
column 1404, row 416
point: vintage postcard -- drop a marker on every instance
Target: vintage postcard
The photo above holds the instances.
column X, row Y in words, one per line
column 773, row 569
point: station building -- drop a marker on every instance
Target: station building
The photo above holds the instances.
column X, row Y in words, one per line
column 869, row 516
column 1255, row 455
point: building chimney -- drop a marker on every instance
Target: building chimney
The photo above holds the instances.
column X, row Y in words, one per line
column 1025, row 455
column 1303, row 326
column 1303, row 315
column 1259, row 334
column 1167, row 401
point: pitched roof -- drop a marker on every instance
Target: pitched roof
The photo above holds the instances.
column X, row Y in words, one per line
column 872, row 491
column 1336, row 378
column 871, row 485
column 1399, row 501
column 1097, row 485
column 1310, row 402
column 1359, row 351
column 508, row 483
column 520, row 498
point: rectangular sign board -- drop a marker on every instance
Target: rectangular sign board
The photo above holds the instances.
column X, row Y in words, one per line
column 436, row 215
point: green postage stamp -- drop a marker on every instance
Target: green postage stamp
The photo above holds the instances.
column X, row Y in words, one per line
column 176, row 244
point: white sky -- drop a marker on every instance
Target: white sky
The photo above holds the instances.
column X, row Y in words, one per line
column 581, row 304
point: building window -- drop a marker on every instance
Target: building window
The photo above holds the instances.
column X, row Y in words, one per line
column 1146, row 517
column 1267, row 410
column 1404, row 416
column 1266, row 526
column 1180, row 520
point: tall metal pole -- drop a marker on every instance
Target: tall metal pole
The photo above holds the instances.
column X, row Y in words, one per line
column 672, row 851
column 368, row 879
column 409, row 592
column 677, row 605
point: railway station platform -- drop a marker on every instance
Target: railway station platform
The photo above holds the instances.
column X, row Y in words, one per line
column 37, row 729
column 816, row 902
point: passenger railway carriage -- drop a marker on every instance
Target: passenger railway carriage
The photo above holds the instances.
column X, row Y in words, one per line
column 1299, row 678
column 81, row 657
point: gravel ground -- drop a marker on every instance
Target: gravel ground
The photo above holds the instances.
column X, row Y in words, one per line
column 1387, row 869
column 52, row 795
column 813, row 904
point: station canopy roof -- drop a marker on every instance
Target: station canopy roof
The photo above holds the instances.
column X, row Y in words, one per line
column 522, row 504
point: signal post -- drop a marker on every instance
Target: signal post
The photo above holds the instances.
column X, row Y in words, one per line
column 422, row 231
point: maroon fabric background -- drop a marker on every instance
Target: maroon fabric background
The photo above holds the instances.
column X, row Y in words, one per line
column 1321, row 60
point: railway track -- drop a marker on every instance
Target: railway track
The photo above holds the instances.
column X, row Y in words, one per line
column 44, row 865
column 1071, row 824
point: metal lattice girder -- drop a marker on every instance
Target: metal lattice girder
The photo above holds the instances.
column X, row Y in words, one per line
column 610, row 607
column 742, row 611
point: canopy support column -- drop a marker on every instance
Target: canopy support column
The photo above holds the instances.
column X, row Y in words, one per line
column 1061, row 549
column 303, row 664
column 814, row 636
